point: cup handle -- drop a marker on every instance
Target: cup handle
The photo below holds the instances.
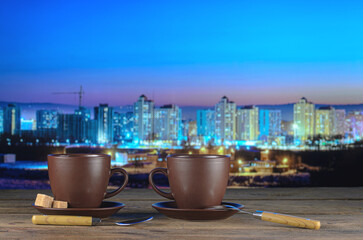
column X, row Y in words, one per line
column 123, row 172
column 163, row 171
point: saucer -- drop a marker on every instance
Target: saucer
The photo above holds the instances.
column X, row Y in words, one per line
column 105, row 210
column 170, row 210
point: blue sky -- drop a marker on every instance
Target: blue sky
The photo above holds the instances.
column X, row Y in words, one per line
column 186, row 52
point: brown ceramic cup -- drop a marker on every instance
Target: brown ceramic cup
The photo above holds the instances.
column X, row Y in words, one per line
column 196, row 181
column 82, row 179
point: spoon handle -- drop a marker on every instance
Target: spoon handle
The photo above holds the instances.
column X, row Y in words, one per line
column 288, row 220
column 65, row 220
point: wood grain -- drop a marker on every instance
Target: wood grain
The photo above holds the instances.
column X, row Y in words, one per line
column 340, row 211
column 290, row 220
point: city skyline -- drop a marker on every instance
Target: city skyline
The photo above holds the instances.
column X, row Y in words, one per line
column 257, row 52
column 190, row 112
column 225, row 124
column 72, row 101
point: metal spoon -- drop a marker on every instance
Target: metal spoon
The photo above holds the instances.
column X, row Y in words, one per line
column 134, row 221
column 275, row 217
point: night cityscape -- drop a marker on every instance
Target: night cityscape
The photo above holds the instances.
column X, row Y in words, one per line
column 225, row 124
column 259, row 142
column 181, row 119
column 282, row 98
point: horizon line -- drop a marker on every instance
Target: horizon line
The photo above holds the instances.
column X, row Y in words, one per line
column 89, row 106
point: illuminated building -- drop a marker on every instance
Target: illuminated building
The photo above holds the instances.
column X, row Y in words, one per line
column 46, row 119
column 92, row 131
column 123, row 126
column 270, row 124
column 1, row 120
column 192, row 130
column 340, row 122
column 189, row 130
column 225, row 119
column 303, row 120
column 117, row 126
column 247, row 123
column 12, row 119
column 185, row 129
column 354, row 125
column 68, row 129
column 47, row 123
column 27, row 124
column 325, row 122
column 205, row 123
column 87, row 126
column 127, row 125
column 141, row 158
column 104, row 117
column 143, row 119
column 287, row 131
column 167, row 122
column 77, row 127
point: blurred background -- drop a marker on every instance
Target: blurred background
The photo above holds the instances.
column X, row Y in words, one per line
column 276, row 85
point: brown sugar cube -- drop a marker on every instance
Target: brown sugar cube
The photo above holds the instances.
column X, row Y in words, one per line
column 43, row 200
column 59, row 204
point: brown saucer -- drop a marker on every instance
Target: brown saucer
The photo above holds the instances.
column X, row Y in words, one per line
column 105, row 210
column 169, row 209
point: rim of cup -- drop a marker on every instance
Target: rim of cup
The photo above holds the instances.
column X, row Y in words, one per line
column 202, row 156
column 79, row 155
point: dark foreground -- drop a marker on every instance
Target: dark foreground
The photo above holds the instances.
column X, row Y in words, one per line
column 38, row 179
column 340, row 211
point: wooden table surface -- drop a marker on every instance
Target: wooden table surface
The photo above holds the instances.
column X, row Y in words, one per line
column 340, row 211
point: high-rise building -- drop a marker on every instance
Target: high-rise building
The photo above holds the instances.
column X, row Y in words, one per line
column 144, row 119
column 28, row 124
column 247, row 123
column 46, row 119
column 12, row 119
column 325, row 121
column 340, row 122
column 189, row 130
column 127, row 126
column 185, row 129
column 206, row 123
column 68, row 128
column 86, row 125
column 167, row 123
column 225, row 119
column 77, row 127
column 123, row 126
column 1, row 120
column 104, row 117
column 117, row 126
column 354, row 125
column 47, row 123
column 303, row 120
column 192, row 129
column 270, row 124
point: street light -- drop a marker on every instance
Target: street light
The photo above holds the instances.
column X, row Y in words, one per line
column 203, row 149
column 220, row 150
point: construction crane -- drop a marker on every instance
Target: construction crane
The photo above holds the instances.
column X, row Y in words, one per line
column 80, row 94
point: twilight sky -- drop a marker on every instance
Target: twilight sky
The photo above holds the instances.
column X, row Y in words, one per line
column 186, row 53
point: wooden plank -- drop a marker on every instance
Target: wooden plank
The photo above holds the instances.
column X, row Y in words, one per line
column 231, row 193
column 340, row 211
